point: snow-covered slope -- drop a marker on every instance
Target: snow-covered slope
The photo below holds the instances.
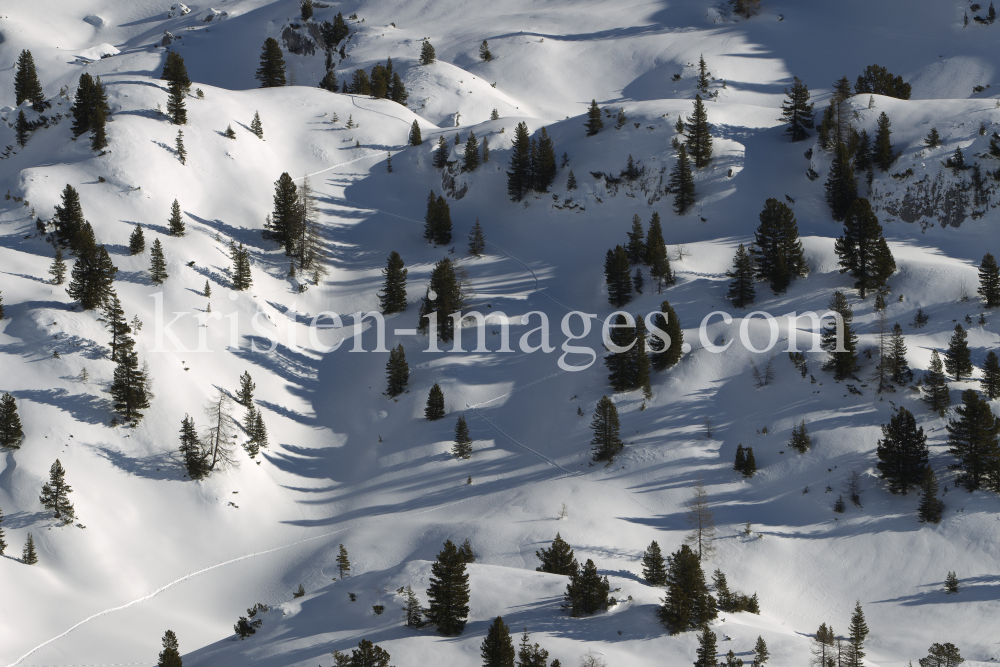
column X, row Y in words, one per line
column 348, row 466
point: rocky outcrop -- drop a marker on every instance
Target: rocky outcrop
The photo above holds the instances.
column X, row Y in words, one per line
column 303, row 39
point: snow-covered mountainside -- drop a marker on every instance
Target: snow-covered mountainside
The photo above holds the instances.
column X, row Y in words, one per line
column 152, row 550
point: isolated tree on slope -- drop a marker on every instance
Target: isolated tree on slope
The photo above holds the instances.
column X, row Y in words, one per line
column 958, row 358
column 558, row 558
column 174, row 70
column 862, row 249
column 435, row 404
column 699, row 137
column 26, row 84
column 606, row 442
column 741, row 290
column 681, row 182
column 797, row 111
column 902, row 452
column 170, row 656
column 392, row 298
column 55, row 494
column 11, row 432
column 594, row 122
column 397, row 372
column 497, row 649
column 975, row 441
column 777, row 251
column 843, row 363
column 427, row 53
column 271, row 72
column 654, row 569
column 937, row 397
column 448, row 593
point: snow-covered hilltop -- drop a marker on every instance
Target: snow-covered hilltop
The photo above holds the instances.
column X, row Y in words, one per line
column 346, row 463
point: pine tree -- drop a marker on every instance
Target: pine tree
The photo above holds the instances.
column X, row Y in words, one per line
column 606, row 442
column 801, row 441
column 681, row 182
column 286, row 218
column 896, row 357
column 841, row 186
column 857, row 630
column 113, row 318
column 543, row 163
column 882, row 152
column 638, row 281
column 343, row 563
column 741, row 290
column 862, row 151
column 448, row 298
column 130, row 386
column 271, row 72
column 760, row 652
column 862, row 249
column 558, row 558
column 951, row 583
column 587, row 591
column 69, row 220
column 170, row 656
column 90, row 95
column 392, row 298
column 470, row 159
column 92, row 278
column 636, row 248
column 902, row 452
column 975, row 441
column 699, row 137
column 654, row 569
column 991, row 376
column 175, row 70
column 622, row 335
column 777, row 251
column 930, row 508
column 26, row 84
column 823, row 647
column 958, row 358
column 256, row 127
column 329, row 81
column 28, row 556
column 946, row 655
column 435, row 404
column 707, row 649
column 466, row 551
column 22, row 130
column 441, row 154
column 58, row 268
column 191, row 450
column 797, row 111
column 176, row 108
column 703, row 80
column 397, row 90
column 415, row 138
column 427, row 53
column 484, row 51
column 571, row 181
column 750, row 467
column 664, row 354
column 656, row 253
column 55, row 494
column 688, row 604
column 244, row 395
column 397, row 372
column 843, row 363
column 462, row 448
column 594, row 122
column 412, row 609
column 740, row 463
column 158, row 266
column 137, row 241
column 176, row 222
column 477, row 240
column 933, row 139
column 519, row 175
column 11, row 432
column 3, row 543
column 242, row 278
column 618, row 277
column 448, row 593
column 179, row 147
column 936, row 385
column 497, row 649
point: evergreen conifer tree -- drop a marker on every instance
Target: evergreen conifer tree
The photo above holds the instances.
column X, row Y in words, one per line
column 665, row 354
column 244, row 395
column 688, row 604
column 681, row 182
column 902, row 452
column 466, row 551
column 699, row 137
column 497, row 649
column 477, row 240
column 286, row 218
column 519, row 175
column 617, row 275
column 857, row 630
column 656, row 253
column 191, row 450
column 571, row 181
column 448, row 594
column 130, row 386
column 946, row 655
column 69, row 220
column 113, row 318
column 606, row 442
column 594, row 122
column 435, row 404
column 777, row 251
column 175, row 70
column 750, row 467
column 991, row 376
column 28, row 556
column 484, row 51
column 55, row 494
column 256, row 127
column 654, row 569
column 343, row 562
column 862, row 249
column 176, row 107
column 933, row 139
column 442, row 222
column 329, row 81
column 470, row 159
column 170, row 656
column 797, row 111
column 486, row 150
column 897, row 355
column 392, row 298
column 11, row 432
column 975, row 441
column 823, row 651
column 703, row 80
column 638, row 360
column 462, row 448
column 558, row 558
column 441, row 154
column 529, row 655
column 90, row 95
column 882, row 152
column 92, row 278
column 636, row 248
column 412, row 609
column 448, row 298
column 843, row 363
column 707, row 649
column 801, row 441
column 415, row 138
column 931, row 507
column 271, row 72
column 137, row 241
column 841, row 186
column 157, row 264
column 587, row 591
column 760, row 652
column 22, row 130
column 937, row 397
column 397, row 90
column 543, row 163
column 427, row 53
column 989, row 281
column 176, row 222
column 958, row 358
column 739, row 465
column 741, row 290
column 58, row 268
column 179, row 147
column 242, row 278
column 3, row 543
column 26, row 84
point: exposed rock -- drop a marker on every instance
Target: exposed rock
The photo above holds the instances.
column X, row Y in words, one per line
column 179, row 9
column 303, row 40
column 215, row 14
column 168, row 38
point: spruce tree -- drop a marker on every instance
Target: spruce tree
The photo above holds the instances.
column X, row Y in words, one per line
column 58, row 268
column 741, row 290
column 392, row 298
column 618, row 277
column 466, row 551
column 412, row 609
column 427, row 53
column 195, row 456
column 975, row 441
column 69, row 220
column 688, row 604
column 621, row 335
column 179, row 147
column 256, row 127
column 656, row 253
column 113, row 318
column 462, row 449
column 343, row 562
column 137, row 241
column 11, row 432
column 898, row 367
column 801, row 441
column 242, row 278
column 447, row 299
column 98, row 130
column 857, row 630
column 448, row 593
column 470, row 159
column 606, row 442
column 26, row 84
column 946, row 655
column 703, row 80
column 271, row 72
column 882, row 152
column 862, row 151
column 740, row 463
column 484, row 51
column 991, row 376
column 497, row 649
column 477, row 240
column 664, row 354
column 435, row 404
column 92, row 278
column 654, row 569
column 486, row 150
column 441, row 154
column 843, row 363
column 170, row 656
column 823, row 651
column 933, row 139
column 902, row 452
column 329, row 82
column 937, row 396
column 931, row 507
column 286, row 218
column 157, row 264
column 558, row 558
column 90, row 95
column 397, row 90
column 571, row 181
column 415, row 138
column 22, row 130
column 55, row 494
column 760, row 652
column 176, row 222
column 175, row 70
column 519, row 175
column 442, row 222
column 750, row 467
column 594, row 122
column 699, row 137
column 681, row 182
column 707, row 648
column 989, row 281
column 797, row 111
column 28, row 556
column 958, row 358
column 636, row 248
column 587, row 591
column 176, row 108
column 777, row 251
column 543, row 163
column 862, row 249
column 638, row 360
column 529, row 655
column 244, row 395
column 130, row 385
column 841, row 186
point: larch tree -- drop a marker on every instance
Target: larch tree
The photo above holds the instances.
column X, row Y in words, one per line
column 218, row 438
column 702, row 522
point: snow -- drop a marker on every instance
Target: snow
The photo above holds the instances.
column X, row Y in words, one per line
column 347, row 465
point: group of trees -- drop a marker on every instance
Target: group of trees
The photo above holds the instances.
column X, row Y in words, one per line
column 437, row 220
column 828, row 649
column 383, row 83
column 445, row 296
column 652, row 251
column 90, row 110
column 634, row 349
column 532, row 163
column 294, row 224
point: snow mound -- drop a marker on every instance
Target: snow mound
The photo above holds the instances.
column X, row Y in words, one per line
column 94, row 20
column 179, row 9
column 98, row 52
